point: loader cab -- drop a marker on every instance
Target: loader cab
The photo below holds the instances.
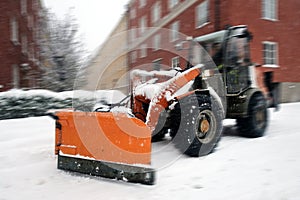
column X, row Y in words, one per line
column 236, row 60
column 228, row 52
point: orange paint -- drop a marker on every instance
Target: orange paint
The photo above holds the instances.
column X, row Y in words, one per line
column 112, row 137
column 170, row 87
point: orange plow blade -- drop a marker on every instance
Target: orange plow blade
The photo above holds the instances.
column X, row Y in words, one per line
column 111, row 145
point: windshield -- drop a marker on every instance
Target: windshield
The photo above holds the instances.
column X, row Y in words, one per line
column 237, row 60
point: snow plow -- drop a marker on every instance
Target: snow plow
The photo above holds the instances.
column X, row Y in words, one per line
column 186, row 104
column 94, row 143
column 112, row 145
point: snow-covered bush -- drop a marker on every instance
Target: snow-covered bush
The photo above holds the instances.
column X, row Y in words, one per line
column 19, row 103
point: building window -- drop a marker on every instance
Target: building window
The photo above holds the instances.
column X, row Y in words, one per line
column 143, row 22
column 142, row 3
column 202, row 14
column 23, row 7
column 31, row 55
column 133, row 34
column 175, row 31
column 269, row 9
column 173, row 3
column 157, row 64
column 16, row 76
column 35, row 5
column 270, row 53
column 133, row 56
column 24, row 44
column 30, row 21
column 156, row 42
column 143, row 51
column 175, row 62
column 132, row 13
column 14, row 27
column 156, row 12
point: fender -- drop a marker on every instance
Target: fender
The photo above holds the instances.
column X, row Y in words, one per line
column 197, row 91
column 209, row 92
column 238, row 105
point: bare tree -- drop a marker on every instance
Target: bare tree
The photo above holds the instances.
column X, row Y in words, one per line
column 61, row 52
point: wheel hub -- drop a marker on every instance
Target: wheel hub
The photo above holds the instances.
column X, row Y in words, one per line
column 204, row 126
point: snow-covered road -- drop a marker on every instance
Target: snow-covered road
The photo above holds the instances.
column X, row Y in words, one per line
column 240, row 168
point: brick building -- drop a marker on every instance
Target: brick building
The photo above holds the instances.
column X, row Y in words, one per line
column 273, row 23
column 18, row 44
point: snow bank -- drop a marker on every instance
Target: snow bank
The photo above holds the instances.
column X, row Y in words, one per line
column 111, row 95
column 38, row 92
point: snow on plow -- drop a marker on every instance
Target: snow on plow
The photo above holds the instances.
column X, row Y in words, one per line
column 111, row 145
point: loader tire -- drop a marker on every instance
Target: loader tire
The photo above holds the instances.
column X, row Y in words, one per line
column 160, row 129
column 254, row 125
column 159, row 136
column 200, row 126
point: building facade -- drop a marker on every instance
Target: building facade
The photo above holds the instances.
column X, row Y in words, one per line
column 273, row 23
column 108, row 67
column 18, row 44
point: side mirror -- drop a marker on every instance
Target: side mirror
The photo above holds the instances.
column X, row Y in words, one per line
column 246, row 34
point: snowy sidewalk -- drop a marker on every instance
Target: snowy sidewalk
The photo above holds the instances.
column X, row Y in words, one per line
column 240, row 168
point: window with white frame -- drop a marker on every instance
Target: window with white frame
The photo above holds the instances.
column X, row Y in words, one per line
column 30, row 21
column 24, row 44
column 156, row 12
column 29, row 53
column 174, row 31
column 23, row 7
column 14, row 29
column 32, row 53
column 132, row 13
column 142, row 3
column 16, row 76
column 143, row 22
column 269, row 9
column 173, row 3
column 35, row 5
column 175, row 62
column 157, row 64
column 202, row 13
column 270, row 53
column 143, row 50
column 156, row 42
column 133, row 56
column 133, row 34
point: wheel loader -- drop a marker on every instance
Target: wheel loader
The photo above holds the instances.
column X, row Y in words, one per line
column 187, row 104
